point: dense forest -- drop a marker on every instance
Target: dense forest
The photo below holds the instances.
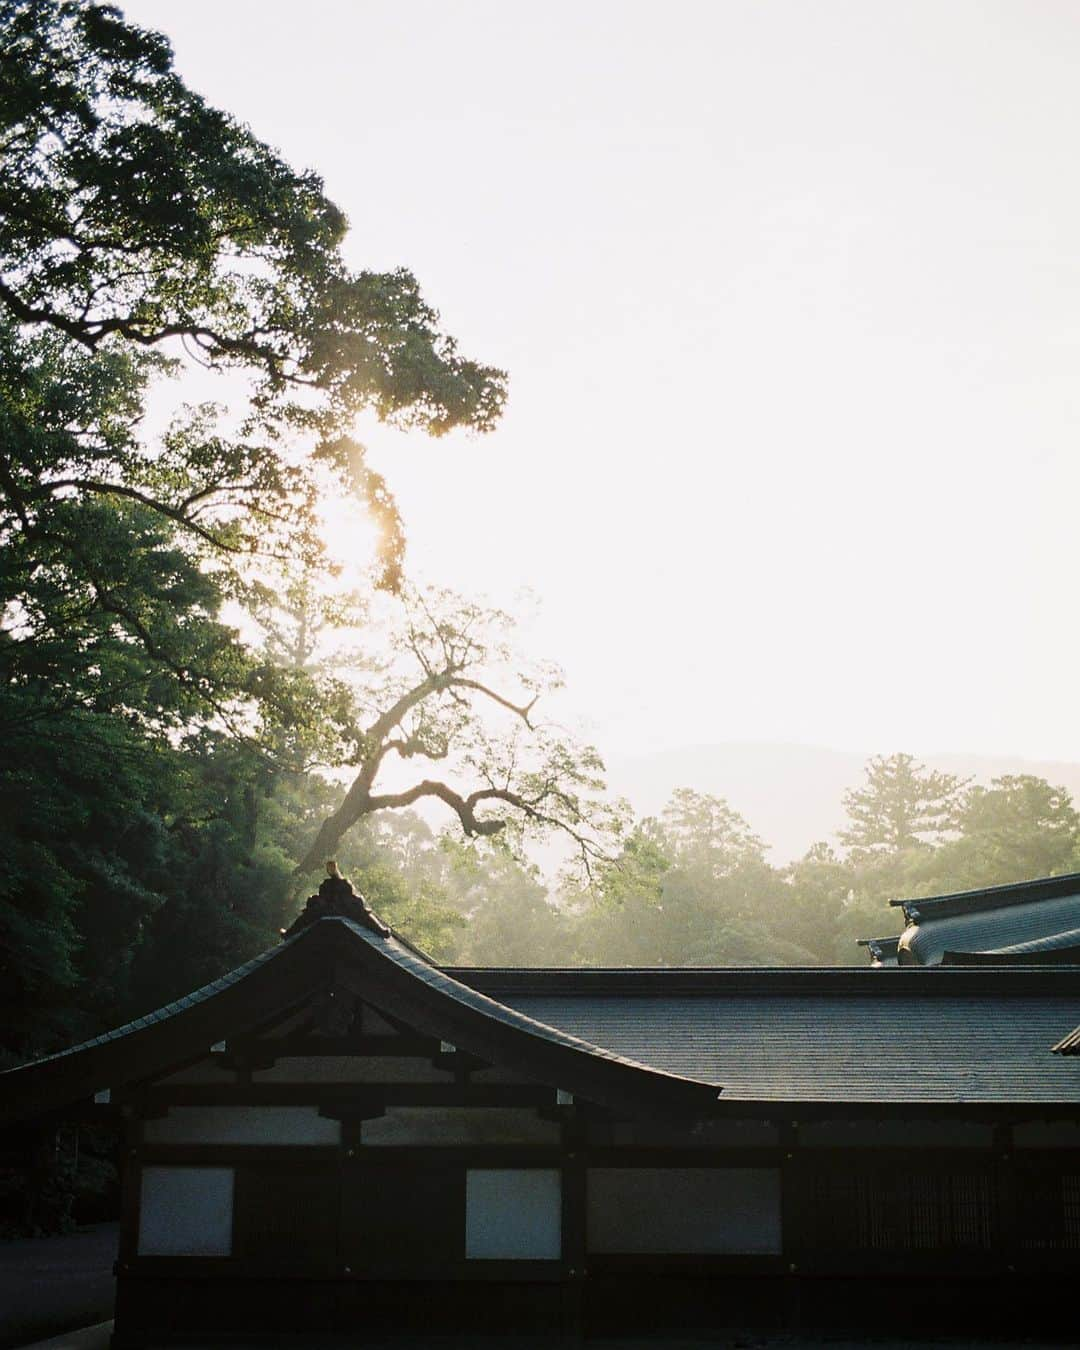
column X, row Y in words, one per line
column 203, row 694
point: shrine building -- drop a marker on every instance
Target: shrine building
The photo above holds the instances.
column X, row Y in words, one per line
column 340, row 1136
column 1024, row 923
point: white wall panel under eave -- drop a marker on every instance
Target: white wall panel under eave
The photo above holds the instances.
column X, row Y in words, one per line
column 298, row 1125
column 458, row 1125
column 513, row 1214
column 691, row 1211
column 186, row 1211
column 353, row 1069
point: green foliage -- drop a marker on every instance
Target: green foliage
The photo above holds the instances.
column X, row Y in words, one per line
column 508, row 915
column 152, row 805
column 822, row 894
column 131, row 208
column 112, row 658
column 692, row 887
column 396, row 862
column 1018, row 827
column 901, row 806
column 135, row 217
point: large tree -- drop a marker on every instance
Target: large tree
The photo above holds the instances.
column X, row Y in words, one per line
column 144, row 233
column 131, row 208
column 136, row 222
column 454, row 717
column 1018, row 828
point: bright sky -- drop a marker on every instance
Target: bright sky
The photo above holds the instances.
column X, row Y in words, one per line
column 790, row 298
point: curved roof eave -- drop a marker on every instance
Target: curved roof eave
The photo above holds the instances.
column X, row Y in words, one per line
column 236, row 1003
column 436, row 1003
column 1004, row 929
column 986, row 898
column 384, row 969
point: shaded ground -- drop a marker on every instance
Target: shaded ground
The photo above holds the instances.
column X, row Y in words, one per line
column 88, row 1338
column 723, row 1341
column 50, row 1285
column 97, row 1338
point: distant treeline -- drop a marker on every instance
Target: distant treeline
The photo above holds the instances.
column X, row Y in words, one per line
column 176, row 868
column 693, row 886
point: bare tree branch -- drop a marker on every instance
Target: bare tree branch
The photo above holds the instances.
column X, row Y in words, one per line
column 523, row 778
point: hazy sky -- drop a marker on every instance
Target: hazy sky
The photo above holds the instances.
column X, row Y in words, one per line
column 789, row 294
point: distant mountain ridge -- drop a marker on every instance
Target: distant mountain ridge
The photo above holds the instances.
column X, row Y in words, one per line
column 791, row 794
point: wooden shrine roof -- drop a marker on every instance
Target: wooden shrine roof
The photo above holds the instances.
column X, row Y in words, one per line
column 339, row 952
column 658, row 1039
column 1017, row 921
column 898, row 1040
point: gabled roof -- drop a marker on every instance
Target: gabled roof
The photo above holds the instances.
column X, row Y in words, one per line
column 640, row 1041
column 393, row 975
column 1016, row 920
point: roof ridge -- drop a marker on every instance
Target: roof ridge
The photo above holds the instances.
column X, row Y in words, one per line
column 765, row 981
column 919, row 908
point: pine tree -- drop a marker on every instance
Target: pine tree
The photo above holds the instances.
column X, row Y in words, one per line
column 901, row 806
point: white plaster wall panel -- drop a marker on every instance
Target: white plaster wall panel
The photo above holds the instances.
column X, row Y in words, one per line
column 895, row 1134
column 458, row 1125
column 186, row 1211
column 513, row 1214
column 243, row 1125
column 354, row 1069
column 684, row 1211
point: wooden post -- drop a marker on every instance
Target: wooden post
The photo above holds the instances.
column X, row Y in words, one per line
column 792, row 1188
column 573, row 1221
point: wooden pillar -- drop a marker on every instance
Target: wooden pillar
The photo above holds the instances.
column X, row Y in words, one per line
column 126, row 1336
column 792, row 1198
column 1008, row 1189
column 574, row 1138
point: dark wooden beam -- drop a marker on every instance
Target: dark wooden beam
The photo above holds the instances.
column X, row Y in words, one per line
column 333, row 1095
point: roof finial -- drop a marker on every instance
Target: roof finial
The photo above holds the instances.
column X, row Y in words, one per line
column 336, row 897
